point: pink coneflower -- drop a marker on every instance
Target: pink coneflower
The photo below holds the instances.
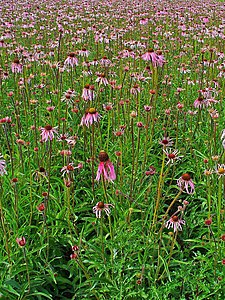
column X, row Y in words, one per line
column 105, row 167
column 185, row 182
column 105, row 62
column 166, row 142
column 88, row 93
column 16, row 66
column 151, row 171
column 172, row 156
column 21, row 241
column 84, row 52
column 143, row 21
column 220, row 170
column 2, row 166
column 47, row 132
column 175, row 223
column 41, row 207
column 91, row 115
column 200, row 102
column 102, row 79
column 150, row 55
column 6, row 120
column 68, row 96
column 100, row 207
column 71, row 60
column 67, row 169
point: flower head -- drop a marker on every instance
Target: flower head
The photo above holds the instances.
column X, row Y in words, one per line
column 220, row 171
column 166, row 142
column 100, row 207
column 91, row 115
column 16, row 66
column 172, row 156
column 71, row 60
column 21, row 241
column 105, row 167
column 47, row 132
column 185, row 182
column 175, row 223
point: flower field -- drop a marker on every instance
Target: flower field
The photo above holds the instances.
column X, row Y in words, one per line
column 112, row 150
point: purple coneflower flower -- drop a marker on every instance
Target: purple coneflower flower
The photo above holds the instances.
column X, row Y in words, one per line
column 166, row 142
column 172, row 156
column 21, row 241
column 16, row 66
column 175, row 223
column 185, row 182
column 105, row 167
column 71, row 60
column 100, row 207
column 220, row 171
column 47, row 132
column 91, row 115
column 152, row 56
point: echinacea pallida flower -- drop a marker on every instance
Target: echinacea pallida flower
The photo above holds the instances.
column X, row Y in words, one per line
column 175, row 223
column 100, row 207
column 185, row 183
column 91, row 115
column 105, row 167
column 47, row 132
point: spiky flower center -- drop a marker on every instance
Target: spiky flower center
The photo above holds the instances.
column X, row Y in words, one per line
column 221, row 170
column 175, row 218
column 72, row 54
column 91, row 110
column 48, row 127
column 186, row 177
column 100, row 204
column 103, row 156
column 171, row 155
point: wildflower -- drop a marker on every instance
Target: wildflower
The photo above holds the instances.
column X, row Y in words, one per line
column 185, row 182
column 155, row 59
column 67, row 169
column 2, row 166
column 172, row 156
column 16, row 66
column 47, row 132
column 105, row 167
column 200, row 102
column 88, row 93
column 91, row 116
column 175, row 223
column 41, row 207
column 166, row 142
column 101, row 206
column 208, row 222
column 21, row 241
column 151, row 171
column 102, row 79
column 71, row 60
column 68, row 96
column 220, row 171
column 84, row 52
column 73, row 255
